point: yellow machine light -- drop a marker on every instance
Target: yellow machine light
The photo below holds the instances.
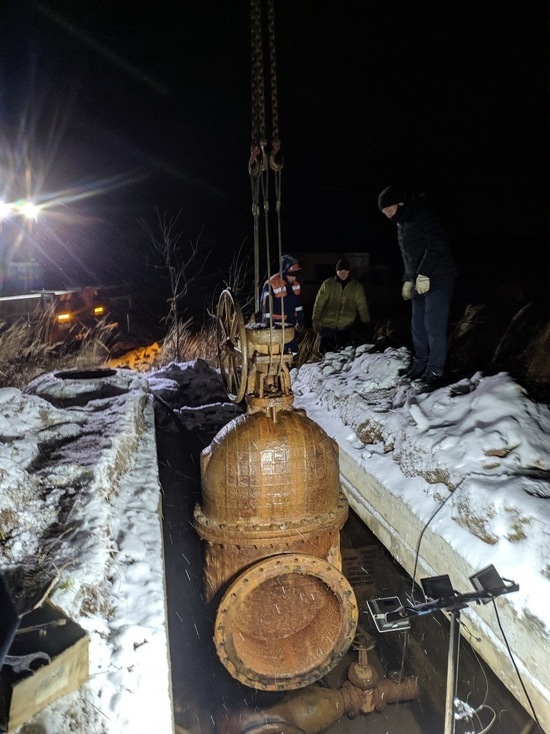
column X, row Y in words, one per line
column 63, row 318
column 99, row 310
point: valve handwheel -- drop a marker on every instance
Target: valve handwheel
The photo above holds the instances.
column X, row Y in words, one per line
column 232, row 354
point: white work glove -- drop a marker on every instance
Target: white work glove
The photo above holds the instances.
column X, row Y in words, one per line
column 422, row 284
column 407, row 290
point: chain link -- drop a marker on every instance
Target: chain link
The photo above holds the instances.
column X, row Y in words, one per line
column 258, row 101
column 273, row 72
column 261, row 162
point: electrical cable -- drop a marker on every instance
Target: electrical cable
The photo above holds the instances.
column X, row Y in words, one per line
column 417, row 554
column 483, row 705
column 491, row 723
column 535, row 717
column 417, row 551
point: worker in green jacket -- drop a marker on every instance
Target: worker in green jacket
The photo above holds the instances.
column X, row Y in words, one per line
column 339, row 300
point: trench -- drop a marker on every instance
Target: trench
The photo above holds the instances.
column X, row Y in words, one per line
column 202, row 688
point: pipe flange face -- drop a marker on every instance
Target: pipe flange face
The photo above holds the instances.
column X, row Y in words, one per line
column 285, row 622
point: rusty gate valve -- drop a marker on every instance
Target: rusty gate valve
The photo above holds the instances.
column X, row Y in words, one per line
column 357, row 701
column 361, row 673
column 353, row 700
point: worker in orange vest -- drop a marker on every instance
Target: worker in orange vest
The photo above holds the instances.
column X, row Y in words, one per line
column 281, row 300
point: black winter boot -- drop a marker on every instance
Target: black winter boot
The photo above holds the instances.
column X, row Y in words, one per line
column 416, row 371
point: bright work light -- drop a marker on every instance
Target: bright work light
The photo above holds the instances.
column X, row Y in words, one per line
column 29, row 210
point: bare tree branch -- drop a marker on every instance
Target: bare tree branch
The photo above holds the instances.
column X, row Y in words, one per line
column 183, row 264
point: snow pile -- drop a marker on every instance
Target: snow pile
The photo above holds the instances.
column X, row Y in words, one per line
column 485, row 427
column 79, row 500
column 192, row 395
column 483, row 435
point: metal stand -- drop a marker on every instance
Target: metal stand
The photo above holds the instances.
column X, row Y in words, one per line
column 452, row 673
column 390, row 615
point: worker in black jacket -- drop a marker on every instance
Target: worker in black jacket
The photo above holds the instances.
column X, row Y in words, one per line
column 428, row 280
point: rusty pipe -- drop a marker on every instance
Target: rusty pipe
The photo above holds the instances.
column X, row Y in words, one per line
column 358, row 701
column 315, row 709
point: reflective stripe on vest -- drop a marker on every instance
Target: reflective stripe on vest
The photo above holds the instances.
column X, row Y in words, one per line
column 279, row 287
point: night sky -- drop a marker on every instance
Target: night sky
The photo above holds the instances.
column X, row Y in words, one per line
column 147, row 106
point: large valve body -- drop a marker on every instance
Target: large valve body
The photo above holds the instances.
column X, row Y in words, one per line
column 271, row 515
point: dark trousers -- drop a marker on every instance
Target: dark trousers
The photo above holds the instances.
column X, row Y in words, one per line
column 333, row 339
column 430, row 316
column 292, row 346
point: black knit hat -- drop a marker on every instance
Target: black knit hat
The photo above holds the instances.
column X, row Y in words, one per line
column 391, row 195
column 343, row 264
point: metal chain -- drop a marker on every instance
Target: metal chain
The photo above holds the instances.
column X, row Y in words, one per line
column 258, row 102
column 261, row 161
column 275, row 160
column 258, row 121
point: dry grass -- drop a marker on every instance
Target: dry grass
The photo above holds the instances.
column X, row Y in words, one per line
column 186, row 341
column 308, row 348
column 26, row 351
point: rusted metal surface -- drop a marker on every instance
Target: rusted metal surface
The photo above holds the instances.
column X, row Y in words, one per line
column 268, row 487
column 317, row 708
column 269, row 366
column 272, row 510
column 285, row 622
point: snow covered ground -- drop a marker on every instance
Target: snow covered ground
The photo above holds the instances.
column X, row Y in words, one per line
column 451, row 481
column 79, row 502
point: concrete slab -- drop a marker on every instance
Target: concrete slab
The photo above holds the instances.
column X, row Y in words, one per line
column 397, row 527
